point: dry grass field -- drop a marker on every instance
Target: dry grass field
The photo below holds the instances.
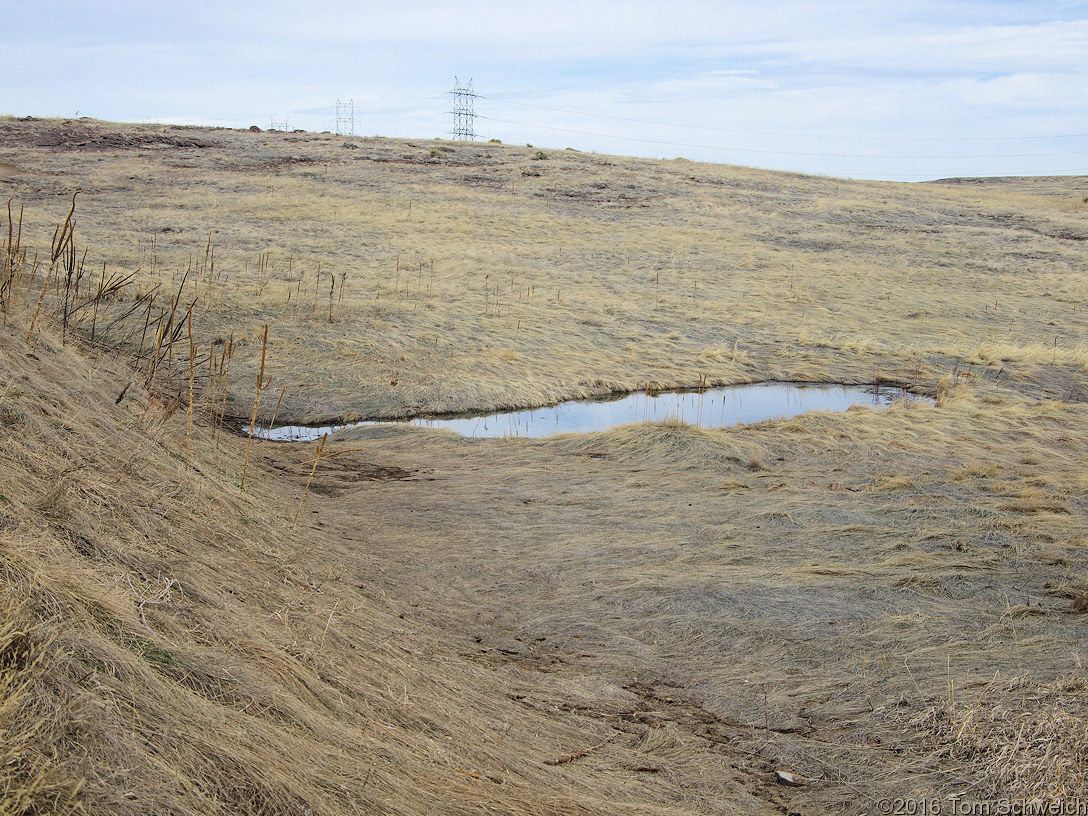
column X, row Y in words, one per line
column 652, row 619
column 525, row 280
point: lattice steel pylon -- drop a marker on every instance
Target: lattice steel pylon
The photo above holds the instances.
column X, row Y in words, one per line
column 345, row 117
column 464, row 115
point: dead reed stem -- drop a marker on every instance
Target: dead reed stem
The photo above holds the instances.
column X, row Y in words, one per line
column 317, row 459
column 224, row 381
column 565, row 758
column 276, row 410
column 41, row 297
column 261, row 384
column 12, row 264
column 192, row 379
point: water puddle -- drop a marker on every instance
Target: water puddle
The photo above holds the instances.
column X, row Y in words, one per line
column 710, row 408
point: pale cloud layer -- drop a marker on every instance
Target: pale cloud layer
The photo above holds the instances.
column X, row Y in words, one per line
column 891, row 90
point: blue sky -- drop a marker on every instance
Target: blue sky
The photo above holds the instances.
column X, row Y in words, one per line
column 891, row 90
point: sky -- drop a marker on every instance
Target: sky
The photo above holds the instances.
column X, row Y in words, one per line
column 884, row 90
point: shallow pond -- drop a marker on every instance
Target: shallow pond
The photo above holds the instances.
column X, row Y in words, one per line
column 709, row 408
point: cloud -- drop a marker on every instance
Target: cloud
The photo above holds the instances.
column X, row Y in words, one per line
column 932, row 48
column 712, row 83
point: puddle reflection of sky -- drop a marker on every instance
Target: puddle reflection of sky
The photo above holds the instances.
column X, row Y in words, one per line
column 713, row 408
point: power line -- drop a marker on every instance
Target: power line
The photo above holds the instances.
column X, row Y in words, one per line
column 885, row 176
column 781, row 152
column 784, row 135
column 952, row 177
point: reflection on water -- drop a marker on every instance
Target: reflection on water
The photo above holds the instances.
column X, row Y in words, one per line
column 711, row 408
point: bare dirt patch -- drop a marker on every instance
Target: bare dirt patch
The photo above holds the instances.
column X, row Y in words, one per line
column 336, row 475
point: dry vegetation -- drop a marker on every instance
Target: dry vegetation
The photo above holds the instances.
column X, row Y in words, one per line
column 652, row 619
column 475, row 275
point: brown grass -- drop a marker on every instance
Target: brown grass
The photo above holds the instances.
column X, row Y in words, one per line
column 172, row 645
column 29, row 776
column 675, row 613
column 828, row 601
column 596, row 274
column 1027, row 739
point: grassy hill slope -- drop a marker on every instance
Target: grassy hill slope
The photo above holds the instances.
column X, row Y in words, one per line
column 171, row 644
column 481, row 275
column 647, row 620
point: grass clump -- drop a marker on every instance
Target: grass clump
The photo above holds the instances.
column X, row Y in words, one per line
column 32, row 778
column 1030, row 738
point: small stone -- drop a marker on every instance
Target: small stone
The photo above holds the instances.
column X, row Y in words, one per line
column 786, row 778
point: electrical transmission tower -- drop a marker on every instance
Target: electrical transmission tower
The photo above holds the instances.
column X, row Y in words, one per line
column 274, row 125
column 464, row 116
column 345, row 117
